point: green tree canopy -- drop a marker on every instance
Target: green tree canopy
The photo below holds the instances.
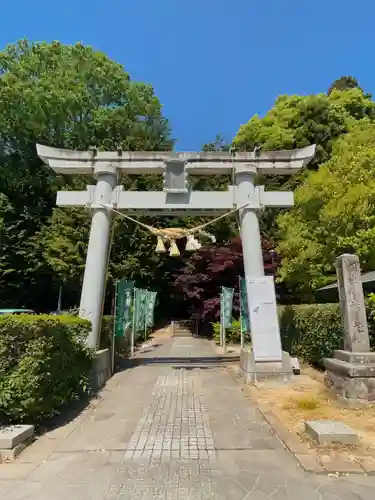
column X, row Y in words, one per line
column 334, row 212
column 297, row 121
column 343, row 83
column 68, row 96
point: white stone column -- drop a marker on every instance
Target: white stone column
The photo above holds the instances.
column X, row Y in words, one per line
column 249, row 224
column 94, row 280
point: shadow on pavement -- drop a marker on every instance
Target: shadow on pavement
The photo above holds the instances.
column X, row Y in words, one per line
column 175, row 361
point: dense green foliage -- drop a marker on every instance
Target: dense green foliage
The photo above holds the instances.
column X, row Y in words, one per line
column 298, row 121
column 334, row 213
column 333, row 210
column 312, row 332
column 343, row 83
column 44, row 365
column 70, row 97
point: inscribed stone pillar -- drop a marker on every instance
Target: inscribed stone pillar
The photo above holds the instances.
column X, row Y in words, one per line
column 351, row 372
column 352, row 304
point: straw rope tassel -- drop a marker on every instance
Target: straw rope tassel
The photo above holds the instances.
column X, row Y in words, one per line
column 160, row 247
column 173, row 249
column 192, row 244
column 172, row 234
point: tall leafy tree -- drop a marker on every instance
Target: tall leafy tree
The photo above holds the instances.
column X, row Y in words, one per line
column 334, row 213
column 298, row 121
column 68, row 96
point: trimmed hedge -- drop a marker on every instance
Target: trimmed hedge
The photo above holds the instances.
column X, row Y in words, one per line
column 44, row 364
column 106, row 329
column 311, row 332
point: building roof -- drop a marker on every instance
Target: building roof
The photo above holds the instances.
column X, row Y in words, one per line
column 365, row 278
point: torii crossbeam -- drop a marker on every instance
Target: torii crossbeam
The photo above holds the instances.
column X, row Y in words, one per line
column 176, row 198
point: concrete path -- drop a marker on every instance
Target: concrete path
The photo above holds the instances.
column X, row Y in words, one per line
column 168, row 430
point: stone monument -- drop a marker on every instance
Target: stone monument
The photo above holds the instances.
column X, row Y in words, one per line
column 265, row 359
column 351, row 372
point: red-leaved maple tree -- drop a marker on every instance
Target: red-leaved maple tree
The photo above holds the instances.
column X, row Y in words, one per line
column 198, row 284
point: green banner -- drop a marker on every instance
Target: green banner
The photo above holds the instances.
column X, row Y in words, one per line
column 150, row 306
column 226, row 306
column 123, row 312
column 140, row 299
column 244, row 310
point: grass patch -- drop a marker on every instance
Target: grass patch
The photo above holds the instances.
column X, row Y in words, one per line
column 307, row 403
column 307, row 398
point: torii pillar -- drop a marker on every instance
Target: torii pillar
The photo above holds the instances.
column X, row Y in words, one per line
column 249, row 223
column 175, row 199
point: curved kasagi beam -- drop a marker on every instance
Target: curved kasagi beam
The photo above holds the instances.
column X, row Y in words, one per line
column 204, row 163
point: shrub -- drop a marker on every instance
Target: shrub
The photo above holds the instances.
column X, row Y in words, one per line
column 311, row 332
column 106, row 332
column 44, row 364
column 370, row 308
column 233, row 334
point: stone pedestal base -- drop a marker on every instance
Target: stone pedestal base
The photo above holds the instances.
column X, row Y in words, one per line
column 280, row 371
column 13, row 440
column 101, row 370
column 351, row 377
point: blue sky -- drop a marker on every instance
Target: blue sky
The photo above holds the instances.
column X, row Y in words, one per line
column 213, row 63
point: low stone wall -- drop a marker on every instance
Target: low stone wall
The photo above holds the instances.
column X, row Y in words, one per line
column 101, row 370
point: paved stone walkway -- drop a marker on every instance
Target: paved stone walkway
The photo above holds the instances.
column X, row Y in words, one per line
column 168, row 430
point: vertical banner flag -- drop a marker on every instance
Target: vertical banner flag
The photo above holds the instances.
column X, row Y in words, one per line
column 123, row 313
column 137, row 309
column 140, row 303
column 244, row 310
column 142, row 320
column 227, row 305
column 150, row 309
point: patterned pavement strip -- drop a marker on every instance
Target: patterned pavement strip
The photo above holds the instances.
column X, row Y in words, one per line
column 165, row 430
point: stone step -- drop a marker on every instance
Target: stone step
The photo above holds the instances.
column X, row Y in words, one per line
column 182, row 333
column 182, row 328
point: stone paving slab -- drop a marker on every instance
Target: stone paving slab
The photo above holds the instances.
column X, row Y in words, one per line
column 167, row 432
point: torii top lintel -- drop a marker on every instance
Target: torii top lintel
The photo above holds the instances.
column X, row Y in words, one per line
column 66, row 161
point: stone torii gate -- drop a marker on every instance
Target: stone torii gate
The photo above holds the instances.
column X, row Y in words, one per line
column 175, row 199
